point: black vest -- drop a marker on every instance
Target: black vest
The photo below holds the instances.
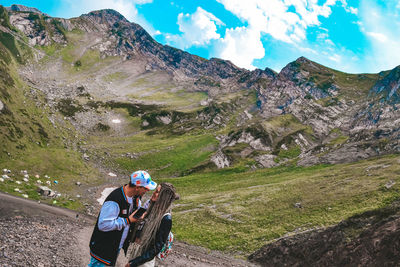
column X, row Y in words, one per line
column 104, row 245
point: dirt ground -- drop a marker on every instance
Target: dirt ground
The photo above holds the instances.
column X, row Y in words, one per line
column 36, row 234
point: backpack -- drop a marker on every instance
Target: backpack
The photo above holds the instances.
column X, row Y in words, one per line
column 167, row 248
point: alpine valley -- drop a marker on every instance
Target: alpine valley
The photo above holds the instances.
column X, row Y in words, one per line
column 291, row 168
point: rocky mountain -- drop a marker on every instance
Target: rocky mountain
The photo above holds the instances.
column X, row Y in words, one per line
column 306, row 114
column 24, row 9
column 89, row 99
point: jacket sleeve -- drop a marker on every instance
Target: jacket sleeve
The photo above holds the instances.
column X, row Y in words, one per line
column 161, row 239
column 109, row 220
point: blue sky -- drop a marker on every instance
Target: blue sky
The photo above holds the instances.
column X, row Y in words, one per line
column 356, row 36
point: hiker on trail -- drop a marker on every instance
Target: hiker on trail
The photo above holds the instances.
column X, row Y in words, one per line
column 112, row 230
column 151, row 235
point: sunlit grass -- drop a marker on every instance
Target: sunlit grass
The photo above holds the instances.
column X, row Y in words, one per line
column 240, row 212
column 160, row 154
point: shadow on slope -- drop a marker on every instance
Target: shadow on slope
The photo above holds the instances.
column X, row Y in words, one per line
column 369, row 239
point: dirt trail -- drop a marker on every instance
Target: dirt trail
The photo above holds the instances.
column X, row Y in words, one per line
column 74, row 230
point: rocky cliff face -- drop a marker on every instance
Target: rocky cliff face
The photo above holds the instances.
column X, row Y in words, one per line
column 336, row 105
column 306, row 114
column 388, row 87
column 369, row 239
column 131, row 41
column 24, row 9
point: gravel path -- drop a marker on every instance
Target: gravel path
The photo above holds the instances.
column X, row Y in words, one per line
column 34, row 234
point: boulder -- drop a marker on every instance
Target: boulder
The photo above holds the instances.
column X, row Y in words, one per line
column 266, row 160
column 220, row 160
column 45, row 191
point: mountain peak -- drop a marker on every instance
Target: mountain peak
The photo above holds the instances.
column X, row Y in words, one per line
column 389, row 86
column 303, row 59
column 106, row 16
column 24, row 9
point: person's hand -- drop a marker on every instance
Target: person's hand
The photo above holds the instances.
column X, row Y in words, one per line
column 142, row 217
column 133, row 219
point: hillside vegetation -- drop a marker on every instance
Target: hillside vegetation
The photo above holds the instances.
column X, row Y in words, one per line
column 256, row 155
column 30, row 139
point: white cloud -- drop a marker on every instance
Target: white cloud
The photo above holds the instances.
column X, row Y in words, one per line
column 270, row 17
column 335, row 57
column 198, row 29
column 126, row 7
column 353, row 10
column 348, row 8
column 306, row 50
column 378, row 36
column 381, row 26
column 241, row 45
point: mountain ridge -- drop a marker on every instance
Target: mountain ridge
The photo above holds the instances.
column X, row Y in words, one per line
column 86, row 101
column 327, row 100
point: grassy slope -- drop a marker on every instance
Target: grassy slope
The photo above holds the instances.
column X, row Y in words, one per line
column 352, row 86
column 240, row 211
column 29, row 140
column 162, row 155
column 237, row 210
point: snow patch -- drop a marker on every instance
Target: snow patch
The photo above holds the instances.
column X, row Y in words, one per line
column 116, row 121
column 105, row 194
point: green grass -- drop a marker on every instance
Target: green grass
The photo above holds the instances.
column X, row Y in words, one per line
column 31, row 142
column 115, row 76
column 61, row 165
column 290, row 153
column 162, row 155
column 338, row 140
column 158, row 87
column 88, row 60
column 240, row 212
column 283, row 129
column 68, row 53
column 352, row 86
column 181, row 100
column 18, row 50
column 50, row 50
column 76, row 56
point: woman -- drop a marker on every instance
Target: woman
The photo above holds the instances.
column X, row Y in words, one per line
column 152, row 235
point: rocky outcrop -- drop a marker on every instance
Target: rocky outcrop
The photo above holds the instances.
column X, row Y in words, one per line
column 266, row 160
column 388, row 87
column 369, row 239
column 131, row 41
column 24, row 9
column 292, row 89
column 220, row 160
column 40, row 30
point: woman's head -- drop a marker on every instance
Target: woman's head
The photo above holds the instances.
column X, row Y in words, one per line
column 165, row 189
